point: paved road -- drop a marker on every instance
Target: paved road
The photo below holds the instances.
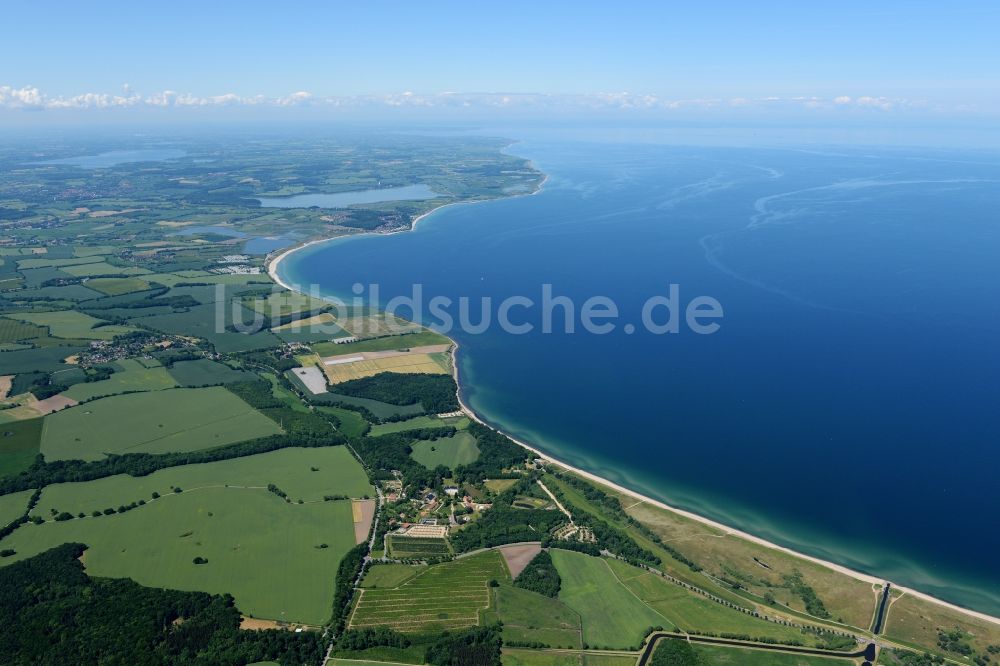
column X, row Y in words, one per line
column 867, row 652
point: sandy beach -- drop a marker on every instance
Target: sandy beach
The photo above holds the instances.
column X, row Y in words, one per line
column 272, row 266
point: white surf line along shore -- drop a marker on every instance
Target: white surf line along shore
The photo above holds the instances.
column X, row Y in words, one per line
column 272, row 270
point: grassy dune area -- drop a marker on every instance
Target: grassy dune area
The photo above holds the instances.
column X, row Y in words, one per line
column 158, row 422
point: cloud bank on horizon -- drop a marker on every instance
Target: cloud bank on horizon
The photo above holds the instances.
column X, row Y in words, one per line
column 30, row 98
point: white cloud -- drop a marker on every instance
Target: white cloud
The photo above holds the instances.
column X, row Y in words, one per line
column 31, row 98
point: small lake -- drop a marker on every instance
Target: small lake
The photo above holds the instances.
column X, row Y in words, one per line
column 116, row 157
column 343, row 199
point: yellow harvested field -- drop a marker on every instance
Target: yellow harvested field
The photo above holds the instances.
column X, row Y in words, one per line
column 347, row 369
column 5, row 384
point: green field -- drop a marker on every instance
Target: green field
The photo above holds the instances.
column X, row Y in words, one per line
column 529, row 617
column 13, row 505
column 692, row 612
column 459, row 449
column 74, row 325
column 12, row 330
column 157, row 422
column 338, row 473
column 416, row 423
column 205, row 372
column 262, row 550
column 388, row 343
column 612, row 616
column 42, row 262
column 390, row 575
column 352, row 424
column 443, row 596
column 380, row 409
column 19, row 442
column 102, row 268
column 201, row 321
column 714, row 655
column 117, row 286
column 131, row 376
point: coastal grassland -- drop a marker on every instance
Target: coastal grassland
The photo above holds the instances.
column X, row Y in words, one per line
column 390, row 575
column 529, row 617
column 442, row 596
column 201, row 321
column 13, row 505
column 377, row 326
column 73, row 324
column 459, row 449
column 315, row 329
column 612, row 616
column 914, row 621
column 206, row 372
column 715, row 655
column 759, row 569
column 19, row 444
column 117, row 286
column 157, row 422
column 693, row 613
column 669, row 563
column 417, row 423
column 351, row 423
column 421, row 338
column 132, row 376
column 262, row 550
column 404, row 363
column 337, row 472
column 284, row 303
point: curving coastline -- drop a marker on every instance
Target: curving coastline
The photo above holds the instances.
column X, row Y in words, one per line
column 272, row 269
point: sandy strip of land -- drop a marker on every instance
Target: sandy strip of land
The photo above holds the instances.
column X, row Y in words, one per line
column 273, row 272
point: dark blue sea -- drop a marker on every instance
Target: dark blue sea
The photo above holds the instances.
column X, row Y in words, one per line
column 848, row 405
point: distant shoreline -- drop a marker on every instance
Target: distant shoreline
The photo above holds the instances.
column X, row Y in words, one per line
column 272, row 270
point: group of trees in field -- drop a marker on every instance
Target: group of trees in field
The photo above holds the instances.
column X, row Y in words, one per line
column 478, row 646
column 51, row 611
column 540, row 576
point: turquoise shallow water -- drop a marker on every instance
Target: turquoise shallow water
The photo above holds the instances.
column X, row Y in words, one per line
column 847, row 406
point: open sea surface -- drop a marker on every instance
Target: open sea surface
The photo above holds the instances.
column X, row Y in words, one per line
column 848, row 406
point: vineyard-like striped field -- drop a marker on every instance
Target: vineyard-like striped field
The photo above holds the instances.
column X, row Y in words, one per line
column 443, row 596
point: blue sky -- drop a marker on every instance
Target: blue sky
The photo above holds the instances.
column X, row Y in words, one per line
column 915, row 57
